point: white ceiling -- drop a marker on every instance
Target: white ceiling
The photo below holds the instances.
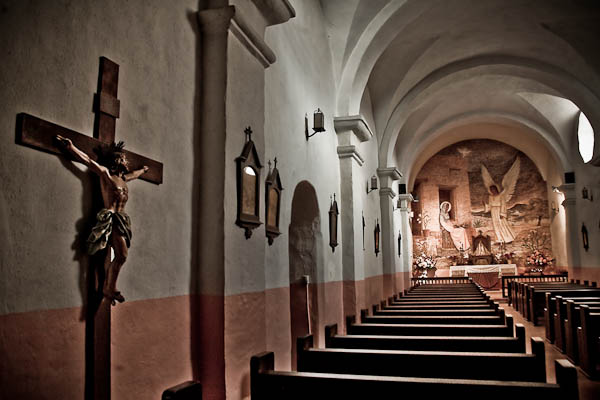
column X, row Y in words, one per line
column 433, row 65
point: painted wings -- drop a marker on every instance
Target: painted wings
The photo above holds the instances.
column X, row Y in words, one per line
column 487, row 178
column 509, row 182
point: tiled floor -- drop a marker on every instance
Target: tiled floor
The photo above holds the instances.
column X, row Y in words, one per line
column 588, row 389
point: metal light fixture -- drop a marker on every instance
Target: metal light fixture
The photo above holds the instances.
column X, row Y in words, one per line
column 373, row 184
column 554, row 208
column 318, row 123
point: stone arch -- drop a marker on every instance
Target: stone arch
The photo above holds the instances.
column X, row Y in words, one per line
column 411, row 159
column 549, row 75
column 304, row 239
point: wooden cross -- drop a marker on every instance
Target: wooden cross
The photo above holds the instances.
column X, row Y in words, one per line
column 39, row 134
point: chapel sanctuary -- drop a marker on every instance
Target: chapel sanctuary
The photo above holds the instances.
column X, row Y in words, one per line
column 300, row 199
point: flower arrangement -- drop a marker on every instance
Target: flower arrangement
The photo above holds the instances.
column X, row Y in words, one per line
column 424, row 261
column 504, row 257
column 539, row 257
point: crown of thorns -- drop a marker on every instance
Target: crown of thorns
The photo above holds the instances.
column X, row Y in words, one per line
column 107, row 154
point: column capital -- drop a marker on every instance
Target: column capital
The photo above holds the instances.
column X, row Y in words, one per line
column 215, row 20
column 387, row 191
column 275, row 11
column 350, row 152
column 389, row 172
column 405, row 200
column 568, row 190
column 354, row 123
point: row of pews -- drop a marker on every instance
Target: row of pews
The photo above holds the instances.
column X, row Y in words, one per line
column 571, row 314
column 434, row 340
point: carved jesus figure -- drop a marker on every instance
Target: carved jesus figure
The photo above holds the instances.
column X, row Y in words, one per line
column 113, row 226
column 498, row 200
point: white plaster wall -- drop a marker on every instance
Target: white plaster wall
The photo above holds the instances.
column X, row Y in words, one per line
column 588, row 212
column 299, row 82
column 50, row 53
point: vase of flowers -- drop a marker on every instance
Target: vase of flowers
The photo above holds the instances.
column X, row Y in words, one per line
column 424, row 264
column 539, row 257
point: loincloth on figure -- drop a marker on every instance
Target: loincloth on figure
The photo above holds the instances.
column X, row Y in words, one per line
column 107, row 221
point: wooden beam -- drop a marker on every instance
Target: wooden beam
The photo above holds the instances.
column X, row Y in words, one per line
column 39, row 134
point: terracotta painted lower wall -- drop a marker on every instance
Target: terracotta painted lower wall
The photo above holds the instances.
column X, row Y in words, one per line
column 585, row 274
column 42, row 353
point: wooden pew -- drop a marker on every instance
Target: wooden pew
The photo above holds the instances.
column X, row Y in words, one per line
column 572, row 322
column 524, row 291
column 537, row 298
column 424, row 364
column 589, row 342
column 555, row 313
column 190, row 390
column 520, row 290
column 433, row 319
column 448, row 311
column 268, row 384
column 503, row 344
column 429, row 329
column 508, row 282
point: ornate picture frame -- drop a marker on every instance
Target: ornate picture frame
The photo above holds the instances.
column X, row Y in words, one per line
column 376, row 237
column 333, row 222
column 273, row 190
column 248, row 186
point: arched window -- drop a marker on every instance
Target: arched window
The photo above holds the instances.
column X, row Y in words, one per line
column 585, row 137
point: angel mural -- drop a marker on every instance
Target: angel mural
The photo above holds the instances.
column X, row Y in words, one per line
column 458, row 234
column 499, row 198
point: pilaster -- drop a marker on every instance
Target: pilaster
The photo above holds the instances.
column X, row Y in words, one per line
column 351, row 131
column 573, row 228
column 387, row 176
column 404, row 201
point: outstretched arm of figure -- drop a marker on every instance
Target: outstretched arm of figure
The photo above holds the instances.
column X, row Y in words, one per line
column 136, row 174
column 80, row 156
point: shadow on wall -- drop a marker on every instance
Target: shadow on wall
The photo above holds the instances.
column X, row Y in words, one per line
column 304, row 231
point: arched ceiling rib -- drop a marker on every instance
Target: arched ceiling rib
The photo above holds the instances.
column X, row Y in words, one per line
column 430, row 61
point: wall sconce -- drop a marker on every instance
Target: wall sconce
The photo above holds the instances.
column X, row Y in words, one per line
column 373, row 184
column 587, row 194
column 553, row 208
column 318, row 123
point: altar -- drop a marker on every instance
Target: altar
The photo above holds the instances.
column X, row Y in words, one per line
column 488, row 276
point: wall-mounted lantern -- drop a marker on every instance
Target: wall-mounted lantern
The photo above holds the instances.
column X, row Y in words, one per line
column 273, row 190
column 318, row 123
column 399, row 243
column 587, row 194
column 553, row 208
column 584, row 237
column 333, row 218
column 373, row 184
column 248, row 186
column 376, row 237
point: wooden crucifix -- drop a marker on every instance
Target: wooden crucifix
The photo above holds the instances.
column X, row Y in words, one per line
column 46, row 136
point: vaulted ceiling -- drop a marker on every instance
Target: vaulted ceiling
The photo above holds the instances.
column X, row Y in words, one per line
column 423, row 68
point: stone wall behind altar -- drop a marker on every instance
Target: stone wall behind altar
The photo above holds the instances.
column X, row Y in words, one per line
column 455, row 175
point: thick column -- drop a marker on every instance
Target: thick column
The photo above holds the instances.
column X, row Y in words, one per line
column 350, row 132
column 232, row 57
column 406, row 258
column 387, row 176
column 573, row 229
